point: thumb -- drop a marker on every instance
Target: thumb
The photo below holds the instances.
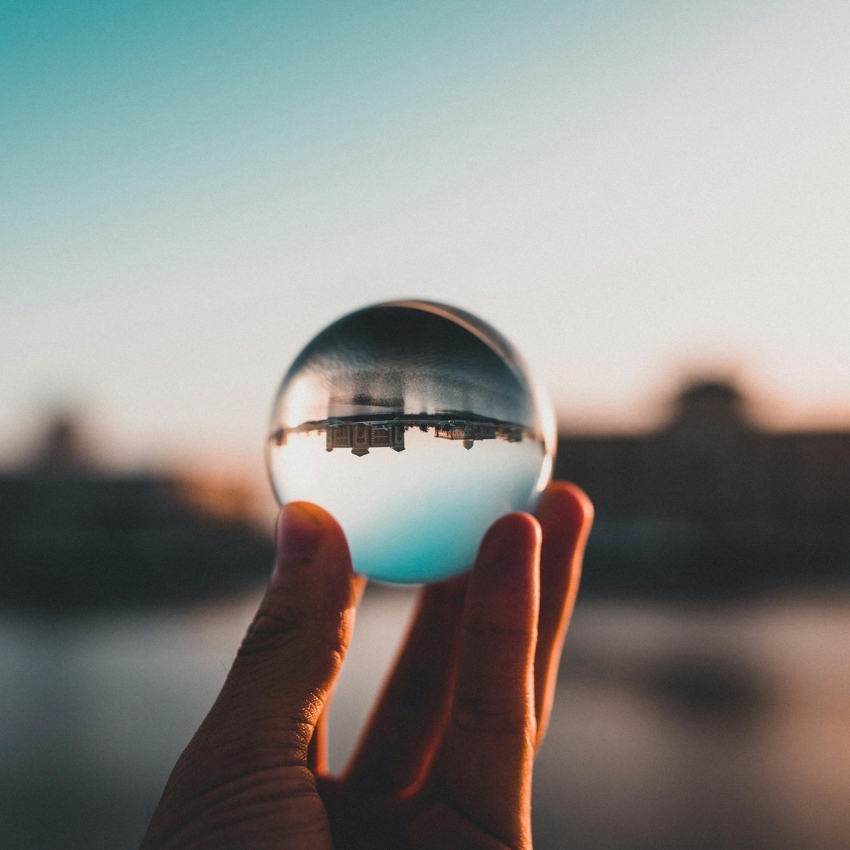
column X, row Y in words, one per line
column 256, row 734
column 288, row 661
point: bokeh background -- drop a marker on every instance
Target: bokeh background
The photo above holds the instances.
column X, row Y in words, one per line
column 650, row 199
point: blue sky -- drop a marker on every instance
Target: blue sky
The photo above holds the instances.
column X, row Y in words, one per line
column 628, row 190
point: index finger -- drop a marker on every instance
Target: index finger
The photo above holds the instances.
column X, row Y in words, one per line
column 488, row 747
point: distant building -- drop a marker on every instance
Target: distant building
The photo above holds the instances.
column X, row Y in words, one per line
column 509, row 432
column 483, row 431
column 711, row 462
column 387, row 436
column 455, row 431
column 710, row 501
column 469, row 432
column 75, row 536
column 361, row 436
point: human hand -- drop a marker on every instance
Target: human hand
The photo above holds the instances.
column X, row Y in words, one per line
column 446, row 759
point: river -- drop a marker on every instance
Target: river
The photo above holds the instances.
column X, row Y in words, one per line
column 674, row 727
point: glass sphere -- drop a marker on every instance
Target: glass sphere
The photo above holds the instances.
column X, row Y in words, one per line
column 416, row 425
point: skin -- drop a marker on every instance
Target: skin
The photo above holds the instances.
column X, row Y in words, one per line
column 446, row 758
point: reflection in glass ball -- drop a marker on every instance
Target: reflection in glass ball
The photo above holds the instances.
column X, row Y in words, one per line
column 416, row 425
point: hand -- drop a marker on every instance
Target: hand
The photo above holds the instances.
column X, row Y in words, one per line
column 446, row 759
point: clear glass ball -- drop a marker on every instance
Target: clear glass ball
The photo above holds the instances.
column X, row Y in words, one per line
column 416, row 425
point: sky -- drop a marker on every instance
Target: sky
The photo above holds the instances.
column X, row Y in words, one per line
column 631, row 192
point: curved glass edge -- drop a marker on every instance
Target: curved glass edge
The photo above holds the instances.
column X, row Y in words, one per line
column 547, row 423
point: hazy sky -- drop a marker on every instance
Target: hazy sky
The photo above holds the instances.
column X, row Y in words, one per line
column 189, row 191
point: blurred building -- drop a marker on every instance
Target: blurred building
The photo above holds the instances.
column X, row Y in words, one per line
column 713, row 504
column 75, row 536
column 708, row 505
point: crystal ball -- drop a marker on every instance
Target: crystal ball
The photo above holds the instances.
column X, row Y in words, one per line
column 416, row 425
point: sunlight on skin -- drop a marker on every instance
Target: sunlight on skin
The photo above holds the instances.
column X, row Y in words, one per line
column 451, row 767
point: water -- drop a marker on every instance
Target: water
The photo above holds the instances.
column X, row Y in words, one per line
column 416, row 425
column 95, row 710
column 415, row 515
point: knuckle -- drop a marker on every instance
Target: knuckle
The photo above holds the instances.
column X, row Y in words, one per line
column 299, row 639
column 273, row 629
column 490, row 714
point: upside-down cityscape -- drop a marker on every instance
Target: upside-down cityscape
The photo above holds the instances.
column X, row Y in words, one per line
column 364, row 434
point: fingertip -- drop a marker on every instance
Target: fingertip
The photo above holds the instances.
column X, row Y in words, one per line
column 299, row 533
column 517, row 531
column 298, row 517
column 311, row 546
column 506, row 571
column 566, row 502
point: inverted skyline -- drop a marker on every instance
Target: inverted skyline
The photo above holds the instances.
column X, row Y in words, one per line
column 361, row 434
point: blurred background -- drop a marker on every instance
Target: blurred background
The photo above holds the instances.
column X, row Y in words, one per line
column 650, row 199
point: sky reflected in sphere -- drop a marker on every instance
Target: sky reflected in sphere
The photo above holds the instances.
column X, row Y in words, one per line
column 416, row 425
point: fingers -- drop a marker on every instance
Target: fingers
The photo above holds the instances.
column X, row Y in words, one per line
column 488, row 746
column 289, row 659
column 402, row 734
column 565, row 516
column 317, row 750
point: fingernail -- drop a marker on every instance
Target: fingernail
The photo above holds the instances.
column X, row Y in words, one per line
column 298, row 536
